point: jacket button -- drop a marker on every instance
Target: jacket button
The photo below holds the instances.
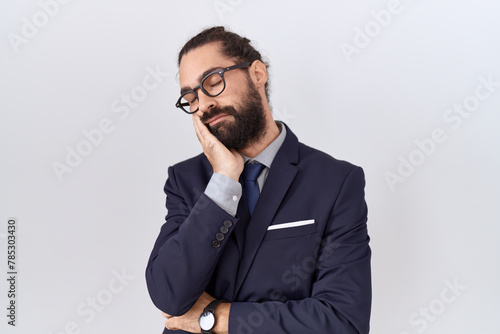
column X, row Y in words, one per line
column 216, row 243
column 224, row 229
column 219, row 236
column 228, row 223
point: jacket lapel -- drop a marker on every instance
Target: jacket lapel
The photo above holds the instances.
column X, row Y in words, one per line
column 281, row 174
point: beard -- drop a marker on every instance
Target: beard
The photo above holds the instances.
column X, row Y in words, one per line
column 249, row 123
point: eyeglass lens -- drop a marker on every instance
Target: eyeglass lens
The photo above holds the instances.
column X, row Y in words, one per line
column 213, row 85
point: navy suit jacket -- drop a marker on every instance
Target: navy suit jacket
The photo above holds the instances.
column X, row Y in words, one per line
column 313, row 278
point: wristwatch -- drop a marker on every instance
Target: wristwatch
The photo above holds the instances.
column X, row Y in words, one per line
column 207, row 318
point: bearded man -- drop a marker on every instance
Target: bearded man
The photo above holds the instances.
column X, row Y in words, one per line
column 263, row 234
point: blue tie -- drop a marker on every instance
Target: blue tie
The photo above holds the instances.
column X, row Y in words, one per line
column 251, row 188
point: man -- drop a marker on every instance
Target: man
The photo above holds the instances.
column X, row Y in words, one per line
column 284, row 250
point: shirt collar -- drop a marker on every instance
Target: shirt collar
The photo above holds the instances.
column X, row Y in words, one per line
column 266, row 157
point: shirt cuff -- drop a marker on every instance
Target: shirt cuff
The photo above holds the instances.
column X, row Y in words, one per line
column 225, row 192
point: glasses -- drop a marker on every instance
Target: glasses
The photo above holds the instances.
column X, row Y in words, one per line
column 213, row 84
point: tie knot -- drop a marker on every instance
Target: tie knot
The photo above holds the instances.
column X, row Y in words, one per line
column 252, row 171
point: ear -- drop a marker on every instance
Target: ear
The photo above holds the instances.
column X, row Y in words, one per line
column 258, row 73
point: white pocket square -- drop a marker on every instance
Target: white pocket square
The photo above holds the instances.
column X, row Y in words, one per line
column 292, row 224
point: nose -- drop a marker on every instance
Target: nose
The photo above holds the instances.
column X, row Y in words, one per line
column 205, row 103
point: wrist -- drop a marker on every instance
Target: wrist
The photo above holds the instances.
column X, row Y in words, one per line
column 222, row 316
column 231, row 174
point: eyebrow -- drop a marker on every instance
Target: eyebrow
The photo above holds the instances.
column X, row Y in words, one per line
column 210, row 70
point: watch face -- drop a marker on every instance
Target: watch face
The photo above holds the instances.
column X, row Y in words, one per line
column 207, row 321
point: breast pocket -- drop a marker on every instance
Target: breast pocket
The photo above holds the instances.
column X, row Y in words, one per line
column 291, row 229
column 285, row 262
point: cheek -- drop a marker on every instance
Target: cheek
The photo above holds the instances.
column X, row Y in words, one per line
column 229, row 98
column 233, row 95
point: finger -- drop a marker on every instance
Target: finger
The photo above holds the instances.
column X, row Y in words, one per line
column 208, row 141
column 169, row 324
column 201, row 129
column 168, row 316
column 196, row 125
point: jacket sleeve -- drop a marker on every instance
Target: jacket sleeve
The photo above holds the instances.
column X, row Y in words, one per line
column 186, row 251
column 340, row 299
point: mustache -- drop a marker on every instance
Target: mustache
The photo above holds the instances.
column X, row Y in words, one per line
column 229, row 110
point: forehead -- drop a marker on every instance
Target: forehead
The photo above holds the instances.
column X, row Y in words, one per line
column 197, row 61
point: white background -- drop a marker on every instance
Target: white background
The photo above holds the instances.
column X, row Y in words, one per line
column 76, row 231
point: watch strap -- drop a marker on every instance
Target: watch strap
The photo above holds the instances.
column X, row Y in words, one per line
column 213, row 305
column 211, row 308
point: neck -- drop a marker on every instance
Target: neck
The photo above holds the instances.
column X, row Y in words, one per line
column 270, row 134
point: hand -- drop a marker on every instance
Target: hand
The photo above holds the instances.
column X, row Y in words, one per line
column 226, row 162
column 189, row 321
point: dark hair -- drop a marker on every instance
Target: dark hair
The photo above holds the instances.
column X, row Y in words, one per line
column 233, row 46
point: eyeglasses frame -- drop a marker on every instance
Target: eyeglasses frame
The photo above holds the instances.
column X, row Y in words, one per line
column 221, row 73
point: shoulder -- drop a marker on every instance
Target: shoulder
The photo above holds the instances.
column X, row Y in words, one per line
column 317, row 166
column 194, row 171
column 323, row 163
column 198, row 161
column 330, row 177
column 307, row 156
